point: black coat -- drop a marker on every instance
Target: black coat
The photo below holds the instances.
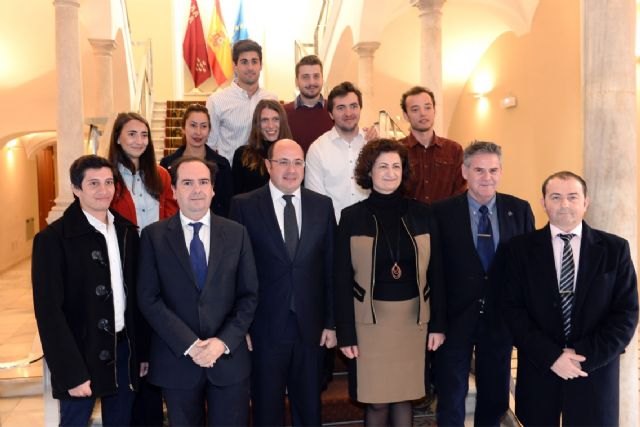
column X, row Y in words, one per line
column 604, row 319
column 74, row 306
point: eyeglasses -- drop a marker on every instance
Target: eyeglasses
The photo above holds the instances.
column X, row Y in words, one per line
column 285, row 163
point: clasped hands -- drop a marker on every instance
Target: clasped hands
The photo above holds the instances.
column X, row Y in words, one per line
column 205, row 353
column 567, row 366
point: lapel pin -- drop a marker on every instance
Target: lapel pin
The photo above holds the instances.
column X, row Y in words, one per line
column 509, row 213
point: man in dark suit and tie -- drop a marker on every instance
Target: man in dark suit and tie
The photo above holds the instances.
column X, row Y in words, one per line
column 472, row 229
column 571, row 302
column 291, row 229
column 198, row 291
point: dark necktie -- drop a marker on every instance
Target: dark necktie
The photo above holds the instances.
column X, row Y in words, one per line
column 197, row 255
column 484, row 245
column 290, row 226
column 565, row 286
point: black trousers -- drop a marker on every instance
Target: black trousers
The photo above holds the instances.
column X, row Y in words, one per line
column 292, row 367
column 209, row 405
column 492, row 372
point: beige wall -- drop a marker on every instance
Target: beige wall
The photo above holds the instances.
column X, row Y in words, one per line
column 543, row 133
column 397, row 64
column 19, row 189
column 153, row 19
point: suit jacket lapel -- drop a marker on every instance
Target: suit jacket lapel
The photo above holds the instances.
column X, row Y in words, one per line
column 505, row 219
column 216, row 243
column 307, row 220
column 175, row 237
column 543, row 259
column 464, row 220
column 265, row 206
column 591, row 254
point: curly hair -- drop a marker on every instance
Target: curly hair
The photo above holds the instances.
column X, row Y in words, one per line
column 370, row 153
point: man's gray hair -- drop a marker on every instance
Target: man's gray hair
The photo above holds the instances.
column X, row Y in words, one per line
column 484, row 147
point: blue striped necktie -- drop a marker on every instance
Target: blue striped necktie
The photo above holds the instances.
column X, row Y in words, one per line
column 565, row 286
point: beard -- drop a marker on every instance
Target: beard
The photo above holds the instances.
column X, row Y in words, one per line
column 310, row 93
column 421, row 128
column 346, row 129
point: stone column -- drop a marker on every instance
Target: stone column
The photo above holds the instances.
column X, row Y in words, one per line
column 610, row 139
column 365, row 51
column 430, row 12
column 102, row 51
column 69, row 122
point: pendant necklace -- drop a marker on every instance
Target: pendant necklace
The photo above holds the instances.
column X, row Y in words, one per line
column 396, row 271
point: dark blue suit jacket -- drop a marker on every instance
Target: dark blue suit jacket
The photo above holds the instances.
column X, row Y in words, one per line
column 308, row 278
column 179, row 313
column 465, row 280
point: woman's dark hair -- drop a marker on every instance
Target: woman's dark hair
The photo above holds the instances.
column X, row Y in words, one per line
column 147, row 164
column 193, row 108
column 254, row 155
column 371, row 151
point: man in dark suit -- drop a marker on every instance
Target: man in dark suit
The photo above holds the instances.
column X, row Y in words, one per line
column 571, row 302
column 291, row 229
column 199, row 292
column 472, row 229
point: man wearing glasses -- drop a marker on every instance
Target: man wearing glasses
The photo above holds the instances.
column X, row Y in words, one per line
column 291, row 230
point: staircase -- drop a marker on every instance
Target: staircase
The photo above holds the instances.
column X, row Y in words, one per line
column 166, row 123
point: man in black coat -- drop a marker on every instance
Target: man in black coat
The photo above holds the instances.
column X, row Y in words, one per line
column 571, row 302
column 294, row 318
column 84, row 278
column 198, row 290
column 472, row 229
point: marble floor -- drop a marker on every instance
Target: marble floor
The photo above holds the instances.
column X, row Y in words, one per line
column 19, row 347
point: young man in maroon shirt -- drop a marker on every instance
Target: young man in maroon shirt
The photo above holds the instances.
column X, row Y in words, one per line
column 307, row 114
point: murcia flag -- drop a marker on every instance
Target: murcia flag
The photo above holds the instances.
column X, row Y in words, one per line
column 194, row 47
column 219, row 47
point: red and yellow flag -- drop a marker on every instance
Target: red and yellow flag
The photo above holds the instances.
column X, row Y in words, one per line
column 219, row 47
column 194, row 47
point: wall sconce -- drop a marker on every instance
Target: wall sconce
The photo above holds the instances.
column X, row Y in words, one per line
column 482, row 84
column 509, row 101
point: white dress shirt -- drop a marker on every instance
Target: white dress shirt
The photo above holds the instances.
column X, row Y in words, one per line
column 108, row 230
column 279, row 204
column 330, row 163
column 231, row 110
column 147, row 207
column 205, row 232
column 558, row 248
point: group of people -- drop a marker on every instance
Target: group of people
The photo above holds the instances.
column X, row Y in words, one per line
column 217, row 281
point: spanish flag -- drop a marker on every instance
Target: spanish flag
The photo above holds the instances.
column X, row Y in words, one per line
column 219, row 47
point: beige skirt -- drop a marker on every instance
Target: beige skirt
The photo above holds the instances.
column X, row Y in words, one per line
column 390, row 367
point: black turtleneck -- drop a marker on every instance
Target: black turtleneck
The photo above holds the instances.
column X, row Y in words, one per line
column 394, row 244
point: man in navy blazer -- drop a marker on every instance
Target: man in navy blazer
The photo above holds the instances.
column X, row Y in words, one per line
column 569, row 338
column 294, row 318
column 199, row 293
column 471, row 318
